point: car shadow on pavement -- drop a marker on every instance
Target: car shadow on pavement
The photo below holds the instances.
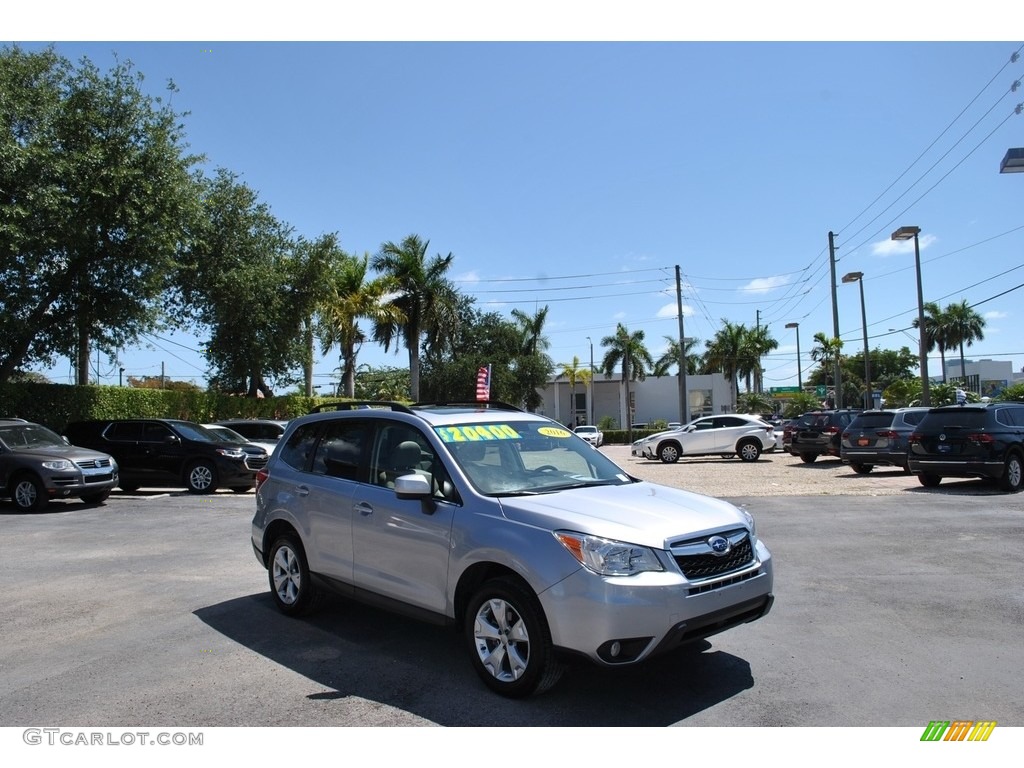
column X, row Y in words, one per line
column 422, row 669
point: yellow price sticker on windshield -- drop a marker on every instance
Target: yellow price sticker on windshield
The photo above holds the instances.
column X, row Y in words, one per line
column 553, row 432
column 475, row 432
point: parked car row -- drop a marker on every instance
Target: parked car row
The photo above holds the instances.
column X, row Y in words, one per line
column 92, row 457
column 725, row 435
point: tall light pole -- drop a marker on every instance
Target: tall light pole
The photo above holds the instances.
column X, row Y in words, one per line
column 906, row 233
column 684, row 403
column 836, row 368
column 799, row 372
column 591, row 381
column 858, row 277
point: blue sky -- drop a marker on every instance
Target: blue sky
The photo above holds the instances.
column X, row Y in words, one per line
column 578, row 174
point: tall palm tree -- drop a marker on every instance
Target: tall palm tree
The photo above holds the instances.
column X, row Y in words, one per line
column 575, row 374
column 725, row 353
column 423, row 296
column 757, row 343
column 627, row 349
column 828, row 351
column 936, row 332
column 964, row 327
column 352, row 297
column 671, row 357
column 532, row 329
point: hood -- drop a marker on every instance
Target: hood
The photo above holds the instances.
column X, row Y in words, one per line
column 70, row 452
column 638, row 513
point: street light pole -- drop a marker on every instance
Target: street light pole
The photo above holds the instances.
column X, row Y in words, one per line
column 858, row 277
column 799, row 372
column 906, row 233
column 591, row 381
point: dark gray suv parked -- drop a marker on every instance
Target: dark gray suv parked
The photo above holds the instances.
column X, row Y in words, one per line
column 978, row 440
column 37, row 465
column 879, row 437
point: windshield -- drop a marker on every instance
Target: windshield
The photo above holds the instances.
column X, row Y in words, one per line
column 527, row 457
column 22, row 436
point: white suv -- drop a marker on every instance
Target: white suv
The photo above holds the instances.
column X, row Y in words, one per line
column 726, row 435
column 507, row 526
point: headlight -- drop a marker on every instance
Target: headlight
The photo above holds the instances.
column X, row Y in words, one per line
column 608, row 557
column 232, row 453
column 750, row 521
column 58, row 464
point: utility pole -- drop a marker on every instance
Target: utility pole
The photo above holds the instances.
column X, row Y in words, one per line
column 837, row 383
column 684, row 403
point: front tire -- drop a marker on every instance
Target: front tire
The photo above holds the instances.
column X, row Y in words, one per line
column 862, row 469
column 808, row 458
column 668, row 453
column 28, row 493
column 1011, row 480
column 201, row 477
column 749, row 450
column 288, row 572
column 509, row 639
column 929, row 480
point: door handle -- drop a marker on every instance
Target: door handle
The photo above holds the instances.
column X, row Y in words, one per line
column 364, row 509
column 302, row 491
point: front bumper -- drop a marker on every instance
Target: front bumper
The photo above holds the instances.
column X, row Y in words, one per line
column 623, row 620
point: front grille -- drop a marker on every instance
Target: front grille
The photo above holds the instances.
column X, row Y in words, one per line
column 98, row 478
column 94, row 463
column 256, row 462
column 697, row 561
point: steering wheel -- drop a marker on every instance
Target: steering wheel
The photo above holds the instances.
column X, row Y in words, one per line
column 546, row 468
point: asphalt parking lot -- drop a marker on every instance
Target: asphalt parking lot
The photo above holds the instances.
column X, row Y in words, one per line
column 892, row 609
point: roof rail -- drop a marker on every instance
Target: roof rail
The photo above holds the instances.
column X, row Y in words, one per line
column 485, row 404
column 353, row 405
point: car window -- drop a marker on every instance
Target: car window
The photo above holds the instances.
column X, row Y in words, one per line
column 298, row 450
column 399, row 450
column 154, row 432
column 129, row 431
column 872, row 421
column 913, row 418
column 1016, row 416
column 29, row 436
column 340, row 451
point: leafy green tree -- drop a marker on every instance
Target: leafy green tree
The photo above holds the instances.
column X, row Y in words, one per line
column 1014, row 392
column 628, row 350
column 936, row 332
column 97, row 194
column 381, row 383
column 887, row 366
column 424, row 297
column 670, row 357
column 757, row 342
column 533, row 365
column 352, row 296
column 964, row 327
column 799, row 404
column 755, row 403
column 244, row 283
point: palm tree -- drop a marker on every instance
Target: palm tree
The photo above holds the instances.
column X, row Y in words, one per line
column 723, row 353
column 424, row 297
column 936, row 332
column 964, row 326
column 353, row 297
column 757, row 343
column 827, row 351
column 671, row 357
column 574, row 374
column 629, row 350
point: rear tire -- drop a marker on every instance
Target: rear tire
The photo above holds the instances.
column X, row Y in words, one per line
column 288, row 572
column 929, row 480
column 862, row 469
column 749, row 450
column 1012, row 474
column 808, row 458
column 509, row 639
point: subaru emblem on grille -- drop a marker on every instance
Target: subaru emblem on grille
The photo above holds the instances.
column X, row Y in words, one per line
column 719, row 545
column 942, row 436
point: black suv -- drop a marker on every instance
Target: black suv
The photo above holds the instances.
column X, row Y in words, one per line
column 819, row 433
column 976, row 440
column 166, row 452
column 37, row 465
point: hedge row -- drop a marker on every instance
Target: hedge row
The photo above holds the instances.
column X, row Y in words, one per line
column 54, row 405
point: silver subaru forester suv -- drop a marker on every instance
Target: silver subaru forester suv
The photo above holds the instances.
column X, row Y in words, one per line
column 509, row 527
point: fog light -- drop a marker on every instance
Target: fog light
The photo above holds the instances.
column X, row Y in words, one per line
column 615, row 649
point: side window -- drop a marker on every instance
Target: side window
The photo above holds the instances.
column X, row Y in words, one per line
column 913, row 418
column 400, row 450
column 702, row 425
column 340, row 451
column 125, row 431
column 153, row 432
column 1016, row 416
column 298, row 451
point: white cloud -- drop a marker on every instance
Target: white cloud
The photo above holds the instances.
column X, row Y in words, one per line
column 996, row 315
column 765, row 284
column 670, row 310
column 890, row 247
